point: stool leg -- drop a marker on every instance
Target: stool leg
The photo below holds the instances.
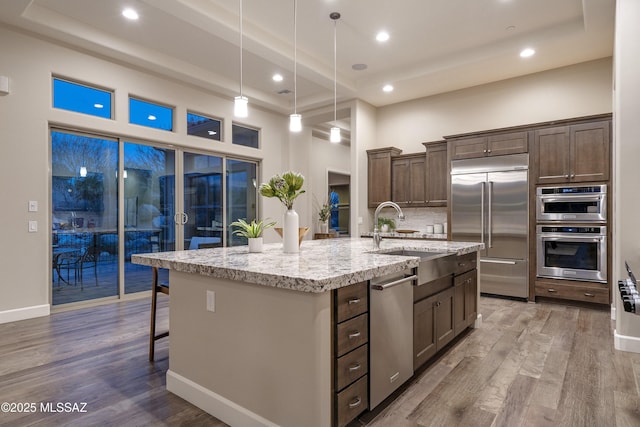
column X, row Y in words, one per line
column 154, row 302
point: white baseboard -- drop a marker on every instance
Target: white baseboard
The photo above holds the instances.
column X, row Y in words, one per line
column 216, row 405
column 24, row 313
column 613, row 312
column 478, row 322
column 626, row 343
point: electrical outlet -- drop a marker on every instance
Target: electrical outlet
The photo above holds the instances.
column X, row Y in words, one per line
column 33, row 226
column 211, row 301
column 33, row 206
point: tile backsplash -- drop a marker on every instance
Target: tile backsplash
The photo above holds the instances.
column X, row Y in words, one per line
column 417, row 218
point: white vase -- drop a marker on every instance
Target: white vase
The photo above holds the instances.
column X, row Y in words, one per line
column 290, row 232
column 255, row 244
column 324, row 227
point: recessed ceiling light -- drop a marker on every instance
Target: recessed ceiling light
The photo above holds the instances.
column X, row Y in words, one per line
column 382, row 36
column 277, row 77
column 387, row 88
column 151, row 117
column 510, row 28
column 130, row 14
column 359, row 67
column 527, row 52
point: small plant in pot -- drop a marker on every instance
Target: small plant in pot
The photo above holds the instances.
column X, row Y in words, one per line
column 386, row 225
column 252, row 231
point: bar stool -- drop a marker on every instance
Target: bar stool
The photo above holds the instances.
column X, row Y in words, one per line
column 155, row 288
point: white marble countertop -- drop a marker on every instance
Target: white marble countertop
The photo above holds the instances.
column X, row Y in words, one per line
column 321, row 265
column 416, row 235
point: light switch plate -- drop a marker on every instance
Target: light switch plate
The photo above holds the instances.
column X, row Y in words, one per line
column 211, row 301
column 33, row 206
column 33, row 226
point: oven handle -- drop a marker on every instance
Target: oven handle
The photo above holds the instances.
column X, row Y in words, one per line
column 573, row 198
column 571, row 238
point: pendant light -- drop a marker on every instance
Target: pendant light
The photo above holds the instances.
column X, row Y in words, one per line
column 295, row 119
column 334, row 135
column 240, row 103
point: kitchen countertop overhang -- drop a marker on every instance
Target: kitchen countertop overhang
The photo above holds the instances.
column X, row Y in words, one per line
column 320, row 266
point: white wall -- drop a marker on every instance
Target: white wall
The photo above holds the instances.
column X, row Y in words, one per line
column 578, row 90
column 26, row 114
column 626, row 124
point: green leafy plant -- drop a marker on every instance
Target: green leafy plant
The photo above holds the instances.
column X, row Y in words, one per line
column 250, row 230
column 389, row 221
column 285, row 187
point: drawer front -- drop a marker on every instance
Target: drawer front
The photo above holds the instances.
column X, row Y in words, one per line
column 597, row 294
column 431, row 288
column 352, row 401
column 465, row 263
column 352, row 334
column 351, row 301
column 352, row 366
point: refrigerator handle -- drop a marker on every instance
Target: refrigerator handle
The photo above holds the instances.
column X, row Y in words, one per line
column 482, row 212
column 490, row 215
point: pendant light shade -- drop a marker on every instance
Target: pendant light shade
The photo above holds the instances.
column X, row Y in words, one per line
column 240, row 103
column 295, row 119
column 334, row 136
column 240, row 106
column 295, row 122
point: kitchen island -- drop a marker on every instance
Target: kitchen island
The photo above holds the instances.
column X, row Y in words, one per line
column 252, row 335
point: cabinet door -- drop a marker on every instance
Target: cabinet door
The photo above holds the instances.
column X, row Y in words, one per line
column 469, row 148
column 437, row 172
column 400, row 181
column 507, row 143
column 418, row 181
column 444, row 318
column 459, row 308
column 590, row 157
column 551, row 151
column 379, row 178
column 424, row 340
column 471, row 297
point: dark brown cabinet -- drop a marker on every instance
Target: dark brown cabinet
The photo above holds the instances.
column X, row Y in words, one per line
column 489, row 145
column 432, row 325
column 573, row 153
column 437, row 173
column 379, row 174
column 409, row 179
column 465, row 300
column 351, row 352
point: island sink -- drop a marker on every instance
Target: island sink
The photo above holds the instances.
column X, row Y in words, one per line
column 433, row 265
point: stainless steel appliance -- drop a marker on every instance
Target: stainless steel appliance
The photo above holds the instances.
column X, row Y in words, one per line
column 583, row 203
column 489, row 204
column 574, row 252
column 390, row 334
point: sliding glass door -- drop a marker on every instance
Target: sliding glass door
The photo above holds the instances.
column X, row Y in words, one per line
column 112, row 199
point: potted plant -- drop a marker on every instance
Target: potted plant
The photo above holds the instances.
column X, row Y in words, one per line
column 324, row 214
column 252, row 232
column 386, row 224
column 286, row 188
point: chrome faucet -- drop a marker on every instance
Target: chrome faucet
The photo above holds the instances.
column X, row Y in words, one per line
column 376, row 232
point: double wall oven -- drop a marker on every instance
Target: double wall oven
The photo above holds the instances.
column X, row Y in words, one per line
column 571, row 232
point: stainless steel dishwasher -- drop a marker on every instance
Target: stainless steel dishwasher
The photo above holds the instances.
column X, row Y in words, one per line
column 390, row 334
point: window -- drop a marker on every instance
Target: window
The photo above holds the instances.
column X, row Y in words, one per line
column 202, row 126
column 245, row 136
column 81, row 98
column 149, row 114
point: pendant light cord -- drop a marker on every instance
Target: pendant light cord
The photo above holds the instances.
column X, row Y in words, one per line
column 295, row 57
column 240, row 47
column 335, row 72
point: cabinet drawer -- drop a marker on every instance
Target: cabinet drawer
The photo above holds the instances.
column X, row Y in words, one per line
column 352, row 401
column 589, row 293
column 352, row 334
column 351, row 301
column 465, row 263
column 351, row 366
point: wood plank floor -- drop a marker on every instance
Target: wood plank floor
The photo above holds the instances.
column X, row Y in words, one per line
column 528, row 365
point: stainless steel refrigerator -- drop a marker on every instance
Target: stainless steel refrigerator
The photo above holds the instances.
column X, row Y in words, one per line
column 489, row 204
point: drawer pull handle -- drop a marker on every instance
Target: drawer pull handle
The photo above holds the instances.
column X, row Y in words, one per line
column 467, row 281
column 551, row 290
column 355, row 402
column 355, row 367
column 354, row 334
column 354, row 301
column 587, row 294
